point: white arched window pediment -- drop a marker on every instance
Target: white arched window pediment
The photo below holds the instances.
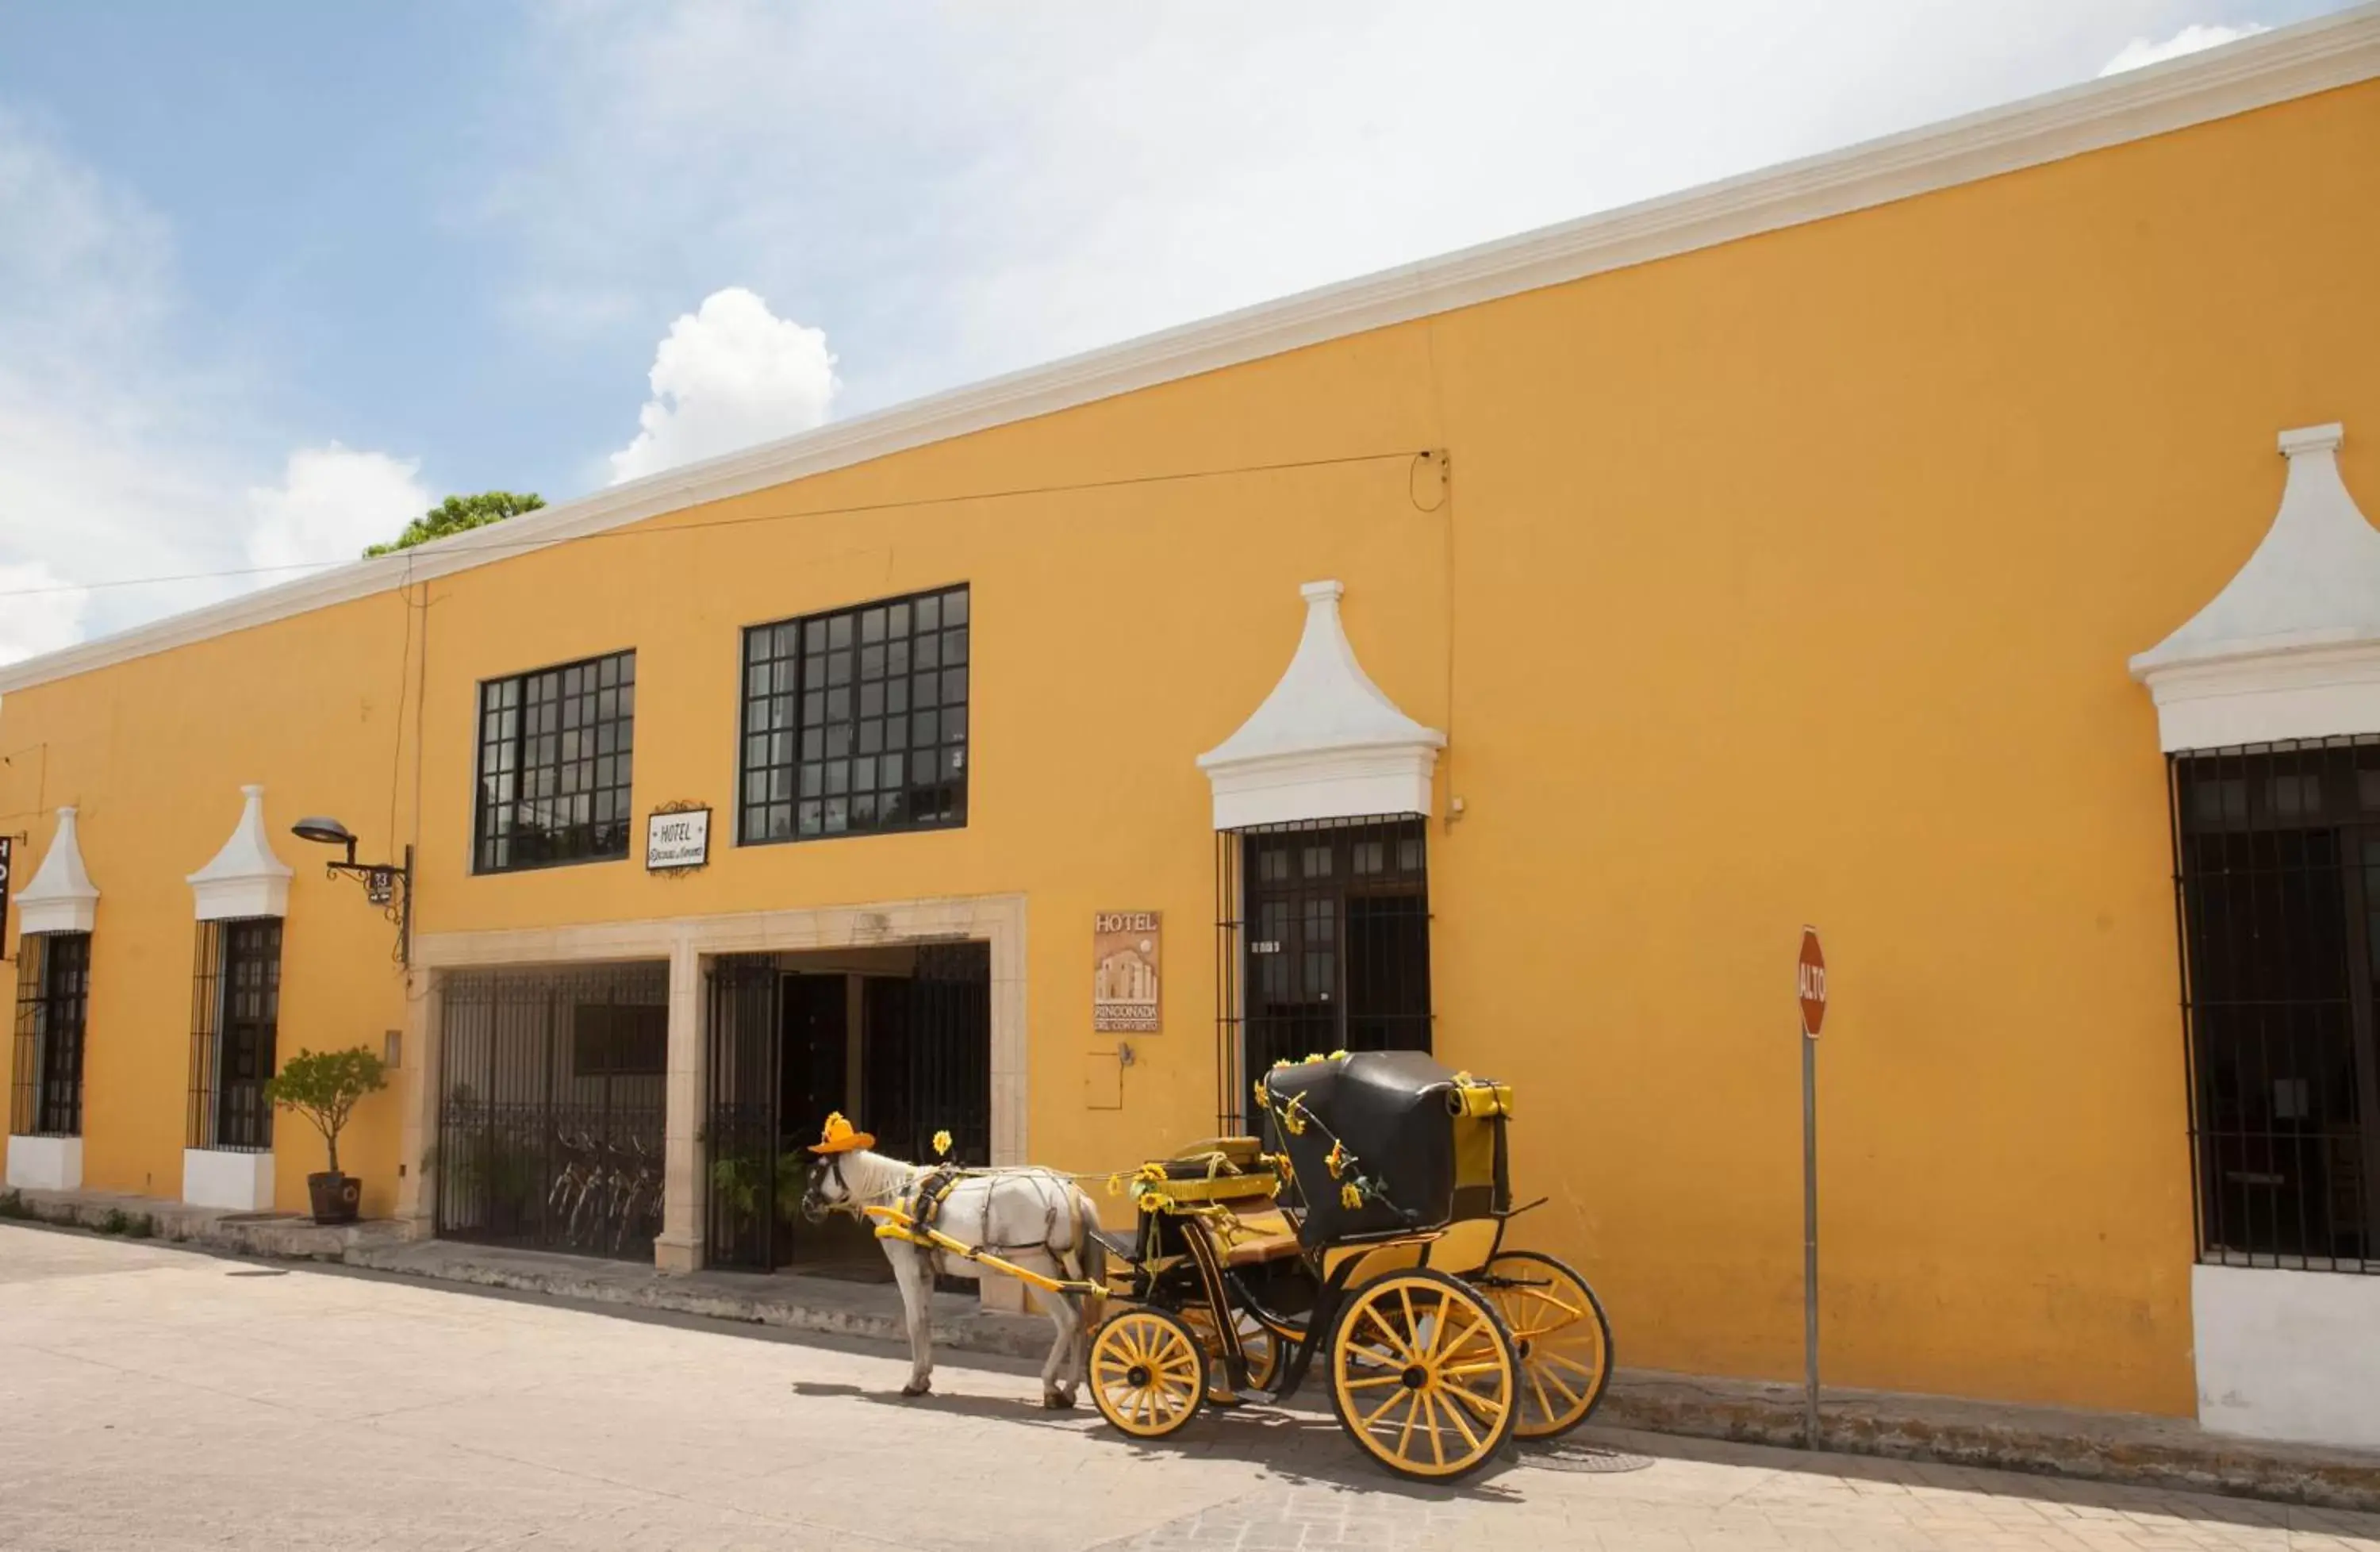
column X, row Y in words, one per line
column 245, row 879
column 2290, row 648
column 1326, row 744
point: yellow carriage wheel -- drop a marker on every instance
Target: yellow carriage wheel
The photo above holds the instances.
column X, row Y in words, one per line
column 1257, row 1345
column 1423, row 1377
column 1560, row 1335
column 1148, row 1372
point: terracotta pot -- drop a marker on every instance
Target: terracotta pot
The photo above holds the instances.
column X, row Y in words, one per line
column 336, row 1196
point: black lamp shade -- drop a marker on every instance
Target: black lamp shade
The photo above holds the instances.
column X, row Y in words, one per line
column 330, row 832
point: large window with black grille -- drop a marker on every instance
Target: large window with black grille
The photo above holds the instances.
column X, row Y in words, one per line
column 2277, row 877
column 234, row 1028
column 1326, row 943
column 555, row 748
column 52, row 989
column 855, row 721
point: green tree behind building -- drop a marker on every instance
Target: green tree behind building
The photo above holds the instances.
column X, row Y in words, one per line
column 460, row 515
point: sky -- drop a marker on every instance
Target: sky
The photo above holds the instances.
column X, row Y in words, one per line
column 275, row 276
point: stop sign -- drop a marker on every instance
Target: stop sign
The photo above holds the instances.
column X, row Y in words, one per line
column 1811, row 983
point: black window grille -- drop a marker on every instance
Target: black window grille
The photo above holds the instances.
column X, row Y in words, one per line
column 855, row 721
column 555, row 748
column 235, row 1025
column 53, row 992
column 2278, row 891
column 1322, row 944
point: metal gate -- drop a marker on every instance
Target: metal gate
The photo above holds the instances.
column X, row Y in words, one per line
column 551, row 1103
column 742, row 1152
column 928, row 1055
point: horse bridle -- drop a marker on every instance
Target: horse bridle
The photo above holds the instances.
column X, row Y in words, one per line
column 846, row 1204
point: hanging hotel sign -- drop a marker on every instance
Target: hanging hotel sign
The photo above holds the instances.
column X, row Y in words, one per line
column 677, row 839
column 1125, row 949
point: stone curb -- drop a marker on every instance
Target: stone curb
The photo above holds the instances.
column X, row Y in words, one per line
column 2099, row 1447
column 279, row 1236
column 872, row 1317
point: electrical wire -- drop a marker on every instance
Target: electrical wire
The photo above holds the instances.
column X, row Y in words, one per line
column 646, row 527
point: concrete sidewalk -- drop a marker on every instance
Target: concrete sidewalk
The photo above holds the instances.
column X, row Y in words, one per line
column 2107, row 1446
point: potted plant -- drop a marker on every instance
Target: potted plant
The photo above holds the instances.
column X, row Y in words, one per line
column 324, row 1087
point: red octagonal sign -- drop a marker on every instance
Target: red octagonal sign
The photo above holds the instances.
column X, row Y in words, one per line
column 1812, row 983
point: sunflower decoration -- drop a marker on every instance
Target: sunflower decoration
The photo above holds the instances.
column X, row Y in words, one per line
column 1337, row 1160
column 1264, row 1096
column 942, row 1145
column 1293, row 1117
column 1351, row 1195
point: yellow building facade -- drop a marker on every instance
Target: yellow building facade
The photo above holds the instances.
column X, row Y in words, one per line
column 1776, row 553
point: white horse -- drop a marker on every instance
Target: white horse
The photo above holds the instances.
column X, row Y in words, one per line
column 1037, row 1218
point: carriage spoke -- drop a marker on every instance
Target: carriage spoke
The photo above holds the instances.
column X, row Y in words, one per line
column 1395, row 1343
column 1369, row 1382
column 1382, row 1409
column 1437, row 1439
column 1455, row 1415
column 1412, row 1415
column 1485, row 1366
column 1569, row 1396
column 1478, row 1323
column 1537, row 1384
column 1569, row 1363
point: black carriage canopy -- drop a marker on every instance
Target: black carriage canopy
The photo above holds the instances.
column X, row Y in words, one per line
column 1424, row 1145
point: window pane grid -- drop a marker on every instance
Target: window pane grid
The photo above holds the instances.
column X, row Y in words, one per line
column 556, row 750
column 855, row 721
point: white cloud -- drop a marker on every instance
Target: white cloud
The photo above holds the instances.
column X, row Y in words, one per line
column 38, row 613
column 124, row 452
column 330, row 504
column 730, row 374
column 2190, row 40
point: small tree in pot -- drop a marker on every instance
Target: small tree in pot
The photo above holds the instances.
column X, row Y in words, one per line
column 324, row 1087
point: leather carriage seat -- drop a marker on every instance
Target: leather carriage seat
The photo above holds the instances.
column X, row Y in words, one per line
column 1265, row 1233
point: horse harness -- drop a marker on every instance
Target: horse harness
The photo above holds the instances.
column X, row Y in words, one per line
column 923, row 1203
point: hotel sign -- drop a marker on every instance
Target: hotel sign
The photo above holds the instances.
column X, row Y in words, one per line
column 1125, row 951
column 678, row 839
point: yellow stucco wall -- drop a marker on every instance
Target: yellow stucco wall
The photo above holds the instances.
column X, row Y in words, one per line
column 1789, row 580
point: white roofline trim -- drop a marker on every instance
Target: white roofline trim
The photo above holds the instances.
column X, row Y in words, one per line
column 2258, row 72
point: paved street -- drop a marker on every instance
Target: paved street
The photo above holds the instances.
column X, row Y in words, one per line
column 156, row 1399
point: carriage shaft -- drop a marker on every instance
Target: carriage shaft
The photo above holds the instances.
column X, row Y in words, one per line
column 892, row 1223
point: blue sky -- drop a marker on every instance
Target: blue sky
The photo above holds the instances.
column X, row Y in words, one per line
column 273, row 277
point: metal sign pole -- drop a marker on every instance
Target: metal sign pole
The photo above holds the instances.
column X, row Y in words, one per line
column 1810, row 987
column 1810, row 1238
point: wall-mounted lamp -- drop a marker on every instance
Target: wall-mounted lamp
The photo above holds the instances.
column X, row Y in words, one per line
column 388, row 886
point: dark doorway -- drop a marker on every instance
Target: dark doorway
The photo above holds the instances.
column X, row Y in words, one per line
column 898, row 1040
column 816, row 1047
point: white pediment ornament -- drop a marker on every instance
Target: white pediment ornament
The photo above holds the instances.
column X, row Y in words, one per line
column 245, row 879
column 1326, row 744
column 60, row 897
column 2290, row 648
